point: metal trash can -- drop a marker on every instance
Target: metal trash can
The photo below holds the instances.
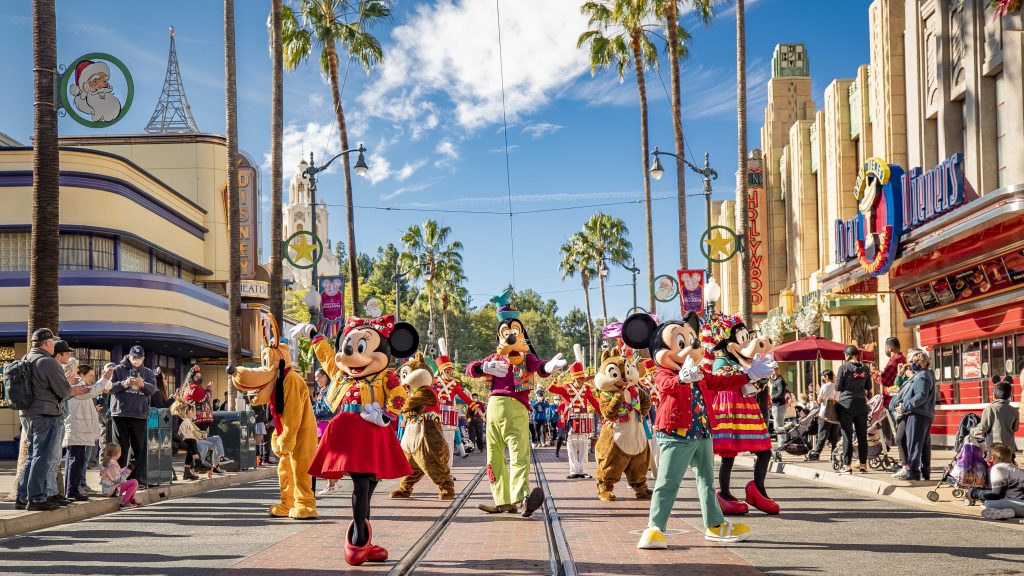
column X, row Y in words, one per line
column 237, row 431
column 158, row 448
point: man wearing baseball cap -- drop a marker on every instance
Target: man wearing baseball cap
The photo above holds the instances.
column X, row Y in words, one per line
column 129, row 409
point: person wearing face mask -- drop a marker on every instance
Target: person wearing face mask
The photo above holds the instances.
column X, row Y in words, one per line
column 134, row 384
column 917, row 406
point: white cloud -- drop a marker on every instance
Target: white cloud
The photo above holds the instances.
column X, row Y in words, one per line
column 541, row 129
column 380, row 169
column 712, row 91
column 296, row 143
column 447, row 149
column 406, row 189
column 511, row 149
column 451, row 48
column 403, row 173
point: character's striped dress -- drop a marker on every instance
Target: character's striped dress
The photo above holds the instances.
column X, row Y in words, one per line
column 739, row 425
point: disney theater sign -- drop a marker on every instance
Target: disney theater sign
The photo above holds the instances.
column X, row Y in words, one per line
column 892, row 202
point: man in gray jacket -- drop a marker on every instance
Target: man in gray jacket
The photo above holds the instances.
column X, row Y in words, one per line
column 42, row 422
column 129, row 409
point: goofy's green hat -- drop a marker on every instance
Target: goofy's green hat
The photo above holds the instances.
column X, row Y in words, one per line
column 505, row 309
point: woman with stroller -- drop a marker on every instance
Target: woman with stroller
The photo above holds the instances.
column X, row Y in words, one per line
column 917, row 407
column 828, row 431
column 853, row 383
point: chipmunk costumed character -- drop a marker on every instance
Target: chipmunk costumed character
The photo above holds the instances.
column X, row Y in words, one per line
column 622, row 446
column 510, row 373
column 580, row 406
column 682, row 425
column 359, row 441
column 448, row 389
column 423, row 441
column 739, row 421
column 276, row 384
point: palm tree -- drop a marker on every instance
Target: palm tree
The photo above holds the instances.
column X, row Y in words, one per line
column 451, row 295
column 234, row 216
column 742, row 216
column 325, row 24
column 608, row 238
column 578, row 258
column 677, row 36
column 428, row 255
column 619, row 37
column 276, row 132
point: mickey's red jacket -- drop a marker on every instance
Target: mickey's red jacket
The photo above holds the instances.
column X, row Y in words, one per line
column 676, row 408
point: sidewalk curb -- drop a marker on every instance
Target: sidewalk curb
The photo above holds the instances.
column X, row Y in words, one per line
column 98, row 506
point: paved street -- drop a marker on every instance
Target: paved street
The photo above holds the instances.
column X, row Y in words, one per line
column 823, row 530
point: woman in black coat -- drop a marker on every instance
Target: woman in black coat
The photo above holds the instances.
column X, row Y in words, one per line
column 853, row 382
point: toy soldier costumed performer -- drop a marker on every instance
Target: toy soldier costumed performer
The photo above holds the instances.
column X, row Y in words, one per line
column 447, row 389
column 510, row 373
column 580, row 406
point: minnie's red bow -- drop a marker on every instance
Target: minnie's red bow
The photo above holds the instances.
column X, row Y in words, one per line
column 382, row 324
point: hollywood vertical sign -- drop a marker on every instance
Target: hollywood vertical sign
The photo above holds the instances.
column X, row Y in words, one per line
column 756, row 241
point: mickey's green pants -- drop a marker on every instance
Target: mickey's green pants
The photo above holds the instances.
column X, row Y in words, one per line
column 508, row 425
column 676, row 456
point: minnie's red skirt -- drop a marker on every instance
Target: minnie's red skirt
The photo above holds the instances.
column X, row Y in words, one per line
column 351, row 444
column 739, row 425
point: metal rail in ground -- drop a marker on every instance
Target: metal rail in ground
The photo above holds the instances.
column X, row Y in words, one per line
column 562, row 562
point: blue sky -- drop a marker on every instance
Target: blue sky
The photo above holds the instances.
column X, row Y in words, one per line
column 432, row 116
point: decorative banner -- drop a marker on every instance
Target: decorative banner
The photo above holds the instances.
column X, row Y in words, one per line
column 332, row 305
column 89, row 90
column 304, row 249
column 248, row 229
column 758, row 222
column 719, row 244
column 255, row 289
column 691, row 291
column 665, row 288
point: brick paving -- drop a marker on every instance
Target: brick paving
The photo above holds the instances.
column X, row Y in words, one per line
column 603, row 535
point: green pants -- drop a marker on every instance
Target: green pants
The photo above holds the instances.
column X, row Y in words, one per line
column 508, row 425
column 676, row 456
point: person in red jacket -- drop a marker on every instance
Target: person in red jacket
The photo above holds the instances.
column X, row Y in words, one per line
column 682, row 424
column 580, row 406
column 200, row 397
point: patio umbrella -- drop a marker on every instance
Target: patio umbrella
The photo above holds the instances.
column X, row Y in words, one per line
column 814, row 348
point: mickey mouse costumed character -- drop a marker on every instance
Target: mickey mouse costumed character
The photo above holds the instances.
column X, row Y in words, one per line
column 682, row 425
column 359, row 441
column 510, row 373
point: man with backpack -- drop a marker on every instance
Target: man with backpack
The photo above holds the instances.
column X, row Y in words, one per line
column 41, row 418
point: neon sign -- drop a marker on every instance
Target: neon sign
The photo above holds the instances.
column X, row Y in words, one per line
column 892, row 202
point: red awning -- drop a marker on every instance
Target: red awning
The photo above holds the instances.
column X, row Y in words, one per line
column 812, row 348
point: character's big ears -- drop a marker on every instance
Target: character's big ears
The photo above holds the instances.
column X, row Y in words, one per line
column 637, row 330
column 693, row 320
column 404, row 340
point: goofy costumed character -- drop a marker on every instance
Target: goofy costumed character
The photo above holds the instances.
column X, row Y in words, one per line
column 448, row 389
column 510, row 373
column 579, row 409
column 682, row 425
column 359, row 441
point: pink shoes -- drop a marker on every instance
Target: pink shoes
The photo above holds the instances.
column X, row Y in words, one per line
column 731, row 507
column 760, row 501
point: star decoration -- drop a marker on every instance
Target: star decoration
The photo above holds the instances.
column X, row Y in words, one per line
column 303, row 249
column 717, row 245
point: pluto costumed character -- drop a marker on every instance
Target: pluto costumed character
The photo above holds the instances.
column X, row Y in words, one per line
column 510, row 374
column 579, row 408
column 448, row 389
column 730, row 348
column 423, row 441
column 622, row 446
column 682, row 425
column 276, row 384
column 359, row 441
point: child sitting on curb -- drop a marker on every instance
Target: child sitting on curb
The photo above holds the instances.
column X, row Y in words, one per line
column 113, row 478
column 1006, row 498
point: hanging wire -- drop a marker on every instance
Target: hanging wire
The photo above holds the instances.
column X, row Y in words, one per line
column 504, row 213
column 504, row 121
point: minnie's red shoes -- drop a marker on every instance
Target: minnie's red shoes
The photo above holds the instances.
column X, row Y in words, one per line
column 356, row 555
column 760, row 501
column 731, row 507
column 377, row 554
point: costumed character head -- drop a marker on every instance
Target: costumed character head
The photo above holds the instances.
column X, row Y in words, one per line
column 670, row 343
column 276, row 361
column 612, row 374
column 445, row 368
column 513, row 342
column 415, row 373
column 739, row 343
column 366, row 346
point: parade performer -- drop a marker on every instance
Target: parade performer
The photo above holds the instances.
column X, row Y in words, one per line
column 647, row 369
column 578, row 415
column 423, row 441
column 510, row 374
column 622, row 445
column 448, row 389
column 359, row 441
column 739, row 421
column 276, row 384
column 682, row 425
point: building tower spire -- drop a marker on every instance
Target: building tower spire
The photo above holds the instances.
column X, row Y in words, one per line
column 173, row 114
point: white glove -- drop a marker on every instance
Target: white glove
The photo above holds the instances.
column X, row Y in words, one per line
column 556, row 363
column 495, row 368
column 373, row 414
column 761, row 367
column 690, row 372
column 301, row 330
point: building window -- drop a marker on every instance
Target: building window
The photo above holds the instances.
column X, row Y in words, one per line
column 93, row 357
column 134, row 259
column 168, row 366
column 74, row 252
column 188, row 275
column 102, row 253
column 15, row 248
column 164, row 267
column 1018, row 364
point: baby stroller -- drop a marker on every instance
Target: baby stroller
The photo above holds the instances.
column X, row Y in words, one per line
column 968, row 469
column 881, row 437
column 796, row 442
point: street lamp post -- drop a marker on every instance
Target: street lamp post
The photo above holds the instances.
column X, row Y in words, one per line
column 631, row 269
column 360, row 169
